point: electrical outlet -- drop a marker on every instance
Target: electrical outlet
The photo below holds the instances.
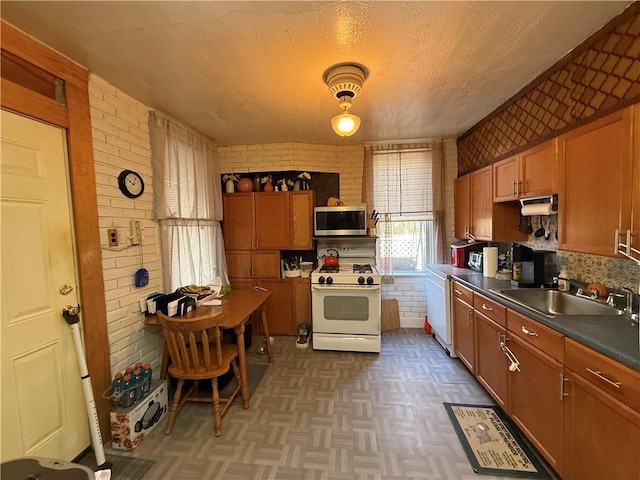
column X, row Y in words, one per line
column 112, row 237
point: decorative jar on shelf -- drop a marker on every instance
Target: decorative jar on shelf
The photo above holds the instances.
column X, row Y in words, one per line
column 304, row 185
column 268, row 187
column 229, row 187
column 245, row 185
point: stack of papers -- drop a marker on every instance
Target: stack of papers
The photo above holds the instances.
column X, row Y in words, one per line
column 215, row 302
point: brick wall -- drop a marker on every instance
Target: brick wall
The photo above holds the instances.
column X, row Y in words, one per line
column 121, row 141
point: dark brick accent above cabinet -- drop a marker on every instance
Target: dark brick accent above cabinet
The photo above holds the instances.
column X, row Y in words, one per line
column 599, row 76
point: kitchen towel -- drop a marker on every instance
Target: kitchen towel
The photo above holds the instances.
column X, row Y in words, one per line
column 489, row 261
column 539, row 209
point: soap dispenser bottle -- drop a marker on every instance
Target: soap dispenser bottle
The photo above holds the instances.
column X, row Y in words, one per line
column 563, row 280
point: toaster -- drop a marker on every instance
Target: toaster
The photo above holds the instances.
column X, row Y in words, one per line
column 475, row 261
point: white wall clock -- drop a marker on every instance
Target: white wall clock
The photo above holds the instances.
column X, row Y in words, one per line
column 130, row 183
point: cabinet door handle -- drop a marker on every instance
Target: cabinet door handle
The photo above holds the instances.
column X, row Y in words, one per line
column 515, row 187
column 458, row 292
column 470, row 316
column 527, row 332
column 602, row 377
column 562, row 394
column 487, row 308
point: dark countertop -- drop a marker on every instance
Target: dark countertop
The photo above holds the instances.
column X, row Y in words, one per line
column 615, row 337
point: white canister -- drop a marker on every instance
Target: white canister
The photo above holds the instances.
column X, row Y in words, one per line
column 489, row 261
column 306, row 268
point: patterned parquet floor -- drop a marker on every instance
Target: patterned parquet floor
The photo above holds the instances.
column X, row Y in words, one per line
column 329, row 415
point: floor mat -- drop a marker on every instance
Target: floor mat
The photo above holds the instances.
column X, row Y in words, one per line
column 122, row 467
column 492, row 444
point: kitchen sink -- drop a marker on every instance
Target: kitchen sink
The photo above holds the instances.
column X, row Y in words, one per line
column 554, row 303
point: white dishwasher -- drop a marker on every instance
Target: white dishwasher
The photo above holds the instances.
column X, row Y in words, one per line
column 439, row 308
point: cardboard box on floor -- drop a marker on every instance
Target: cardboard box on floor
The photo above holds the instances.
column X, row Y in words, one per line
column 130, row 425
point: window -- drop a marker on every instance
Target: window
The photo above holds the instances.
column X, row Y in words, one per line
column 404, row 186
column 188, row 205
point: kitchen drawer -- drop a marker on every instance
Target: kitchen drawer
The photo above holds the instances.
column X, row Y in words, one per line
column 610, row 376
column 544, row 338
column 493, row 310
column 463, row 293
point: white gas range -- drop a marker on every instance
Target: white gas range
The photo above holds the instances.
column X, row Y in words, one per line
column 346, row 298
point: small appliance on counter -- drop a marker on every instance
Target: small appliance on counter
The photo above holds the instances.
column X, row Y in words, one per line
column 460, row 252
column 475, row 261
column 531, row 268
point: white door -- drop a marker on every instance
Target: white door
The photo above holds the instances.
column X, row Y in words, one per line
column 43, row 410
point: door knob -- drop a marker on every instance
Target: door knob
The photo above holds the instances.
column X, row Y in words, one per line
column 65, row 289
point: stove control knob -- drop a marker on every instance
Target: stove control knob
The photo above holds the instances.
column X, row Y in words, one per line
column 329, row 280
column 321, row 280
column 369, row 280
column 361, row 280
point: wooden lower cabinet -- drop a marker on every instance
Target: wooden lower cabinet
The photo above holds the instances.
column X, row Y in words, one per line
column 491, row 362
column 579, row 408
column 463, row 335
column 536, row 403
column 279, row 306
column 602, row 434
column 301, row 291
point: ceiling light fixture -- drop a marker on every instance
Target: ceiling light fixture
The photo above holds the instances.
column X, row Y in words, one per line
column 345, row 82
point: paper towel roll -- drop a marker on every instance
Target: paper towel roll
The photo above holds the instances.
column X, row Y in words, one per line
column 539, row 209
column 489, row 261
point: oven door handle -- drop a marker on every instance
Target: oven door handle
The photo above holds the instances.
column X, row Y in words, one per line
column 329, row 288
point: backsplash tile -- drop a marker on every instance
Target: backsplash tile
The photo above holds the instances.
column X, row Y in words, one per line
column 613, row 272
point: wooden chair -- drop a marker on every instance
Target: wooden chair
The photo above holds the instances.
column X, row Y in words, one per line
column 198, row 353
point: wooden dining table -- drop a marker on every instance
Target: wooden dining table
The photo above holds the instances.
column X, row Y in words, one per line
column 238, row 307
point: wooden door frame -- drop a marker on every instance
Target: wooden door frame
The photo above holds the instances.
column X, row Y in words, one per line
column 75, row 118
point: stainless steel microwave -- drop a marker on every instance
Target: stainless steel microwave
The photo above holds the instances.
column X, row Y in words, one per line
column 344, row 220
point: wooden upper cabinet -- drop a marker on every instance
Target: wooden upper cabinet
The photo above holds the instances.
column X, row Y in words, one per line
column 238, row 221
column 273, row 227
column 596, row 184
column 481, row 182
column 539, row 170
column 635, row 190
column 506, row 179
column 301, row 210
column 462, row 201
column 532, row 173
column 476, row 214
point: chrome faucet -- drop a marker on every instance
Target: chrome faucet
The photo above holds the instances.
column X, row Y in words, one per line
column 629, row 308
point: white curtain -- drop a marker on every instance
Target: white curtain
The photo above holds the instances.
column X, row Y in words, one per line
column 404, row 183
column 188, row 204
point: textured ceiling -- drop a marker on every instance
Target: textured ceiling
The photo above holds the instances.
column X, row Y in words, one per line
column 251, row 72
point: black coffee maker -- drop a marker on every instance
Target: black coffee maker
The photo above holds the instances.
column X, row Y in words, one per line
column 531, row 268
